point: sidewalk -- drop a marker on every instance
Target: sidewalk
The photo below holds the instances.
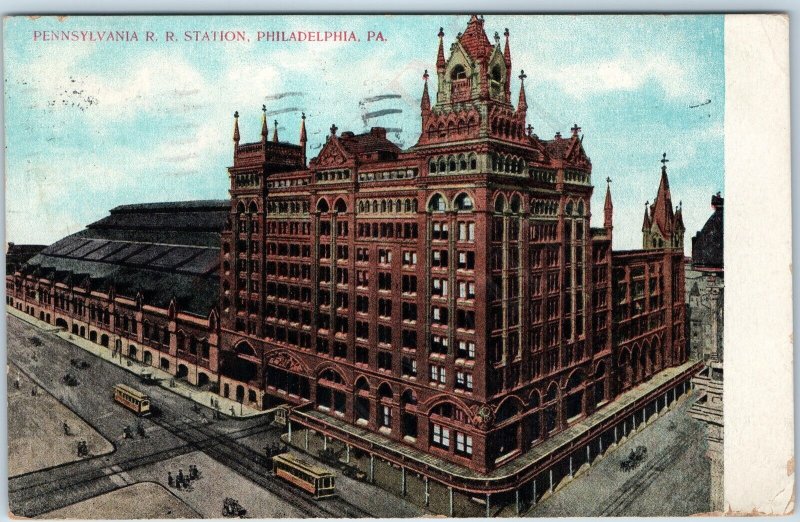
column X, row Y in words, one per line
column 161, row 377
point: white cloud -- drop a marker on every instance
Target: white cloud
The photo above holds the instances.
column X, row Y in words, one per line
column 625, row 73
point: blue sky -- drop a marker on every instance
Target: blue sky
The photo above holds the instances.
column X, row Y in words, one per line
column 94, row 125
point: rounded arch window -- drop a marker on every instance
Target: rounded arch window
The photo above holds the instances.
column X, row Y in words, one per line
column 451, row 164
column 464, row 202
column 432, row 167
column 500, row 203
column 437, row 204
column 459, row 73
column 473, row 162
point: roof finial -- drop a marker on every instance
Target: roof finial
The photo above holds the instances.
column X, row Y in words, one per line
column 575, row 129
column 236, row 126
column 303, row 136
column 522, row 105
column 497, row 39
column 608, row 180
column 664, row 161
column 264, row 130
column 529, row 128
column 334, row 128
column 275, row 132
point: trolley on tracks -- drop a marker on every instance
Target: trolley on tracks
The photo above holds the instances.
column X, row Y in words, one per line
column 132, row 399
column 314, row 479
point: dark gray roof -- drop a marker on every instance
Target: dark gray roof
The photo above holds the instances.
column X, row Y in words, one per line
column 707, row 244
column 162, row 250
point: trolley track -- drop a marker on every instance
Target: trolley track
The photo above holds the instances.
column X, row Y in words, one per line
column 249, row 464
column 635, row 486
column 71, row 485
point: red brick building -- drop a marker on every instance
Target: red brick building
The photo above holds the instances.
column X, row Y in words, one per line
column 451, row 299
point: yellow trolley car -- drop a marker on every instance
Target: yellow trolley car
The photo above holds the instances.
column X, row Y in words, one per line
column 132, row 399
column 314, row 479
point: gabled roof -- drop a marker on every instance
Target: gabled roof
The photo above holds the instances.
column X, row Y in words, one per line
column 474, row 40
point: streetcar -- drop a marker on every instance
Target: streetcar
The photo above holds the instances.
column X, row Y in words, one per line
column 132, row 399
column 314, row 479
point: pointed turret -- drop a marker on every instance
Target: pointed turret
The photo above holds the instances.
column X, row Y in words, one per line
column 647, row 223
column 507, row 49
column 275, row 131
column 235, row 134
column 425, row 104
column 303, row 136
column 507, row 59
column 522, row 105
column 608, row 208
column 440, row 63
column 264, row 130
column 663, row 215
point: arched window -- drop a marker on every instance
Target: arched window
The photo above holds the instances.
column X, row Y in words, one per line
column 500, row 203
column 432, row 167
column 463, row 202
column 462, row 162
column 580, row 208
column 322, row 205
column 496, row 73
column 458, row 73
column 385, row 391
column 437, row 204
column 244, row 348
column 340, row 206
column 451, row 164
column 362, row 384
column 568, row 209
column 473, row 162
column 253, row 207
column 516, row 204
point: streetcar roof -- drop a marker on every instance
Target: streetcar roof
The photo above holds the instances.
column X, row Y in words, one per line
column 299, row 463
column 131, row 391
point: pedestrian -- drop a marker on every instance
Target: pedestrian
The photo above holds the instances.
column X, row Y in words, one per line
column 233, row 412
column 66, row 428
column 180, row 475
column 170, row 480
column 16, row 383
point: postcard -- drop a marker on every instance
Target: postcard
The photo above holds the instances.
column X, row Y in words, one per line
column 398, row 266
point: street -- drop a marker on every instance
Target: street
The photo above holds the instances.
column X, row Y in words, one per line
column 179, row 430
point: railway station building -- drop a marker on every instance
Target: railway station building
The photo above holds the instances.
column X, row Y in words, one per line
column 447, row 309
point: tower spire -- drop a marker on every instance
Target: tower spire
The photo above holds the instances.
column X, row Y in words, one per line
column 522, row 106
column 275, row 131
column 608, row 208
column 303, row 136
column 425, row 104
column 264, row 130
column 507, row 49
column 440, row 63
column 235, row 134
